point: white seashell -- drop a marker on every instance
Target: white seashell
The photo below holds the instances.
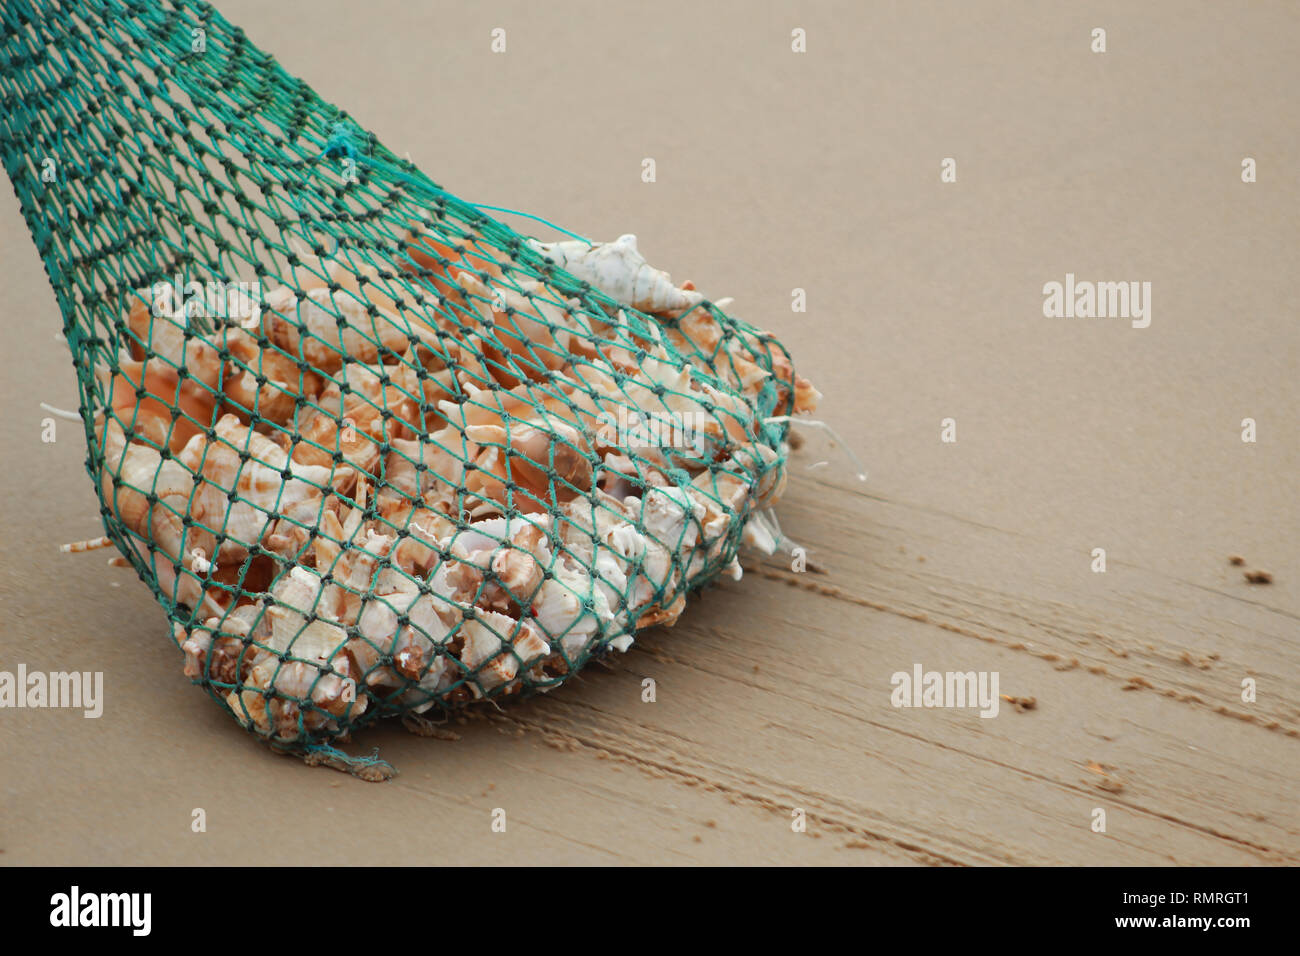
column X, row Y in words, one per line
column 487, row 652
column 620, row 271
column 758, row 535
column 264, row 494
column 665, row 517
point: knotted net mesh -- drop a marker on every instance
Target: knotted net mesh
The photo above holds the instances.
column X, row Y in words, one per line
column 374, row 451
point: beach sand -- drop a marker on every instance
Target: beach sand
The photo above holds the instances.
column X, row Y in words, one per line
column 819, row 171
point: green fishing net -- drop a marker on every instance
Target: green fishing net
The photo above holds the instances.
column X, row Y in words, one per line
column 376, row 452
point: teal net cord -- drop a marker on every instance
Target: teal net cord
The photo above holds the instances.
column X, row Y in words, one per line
column 374, row 451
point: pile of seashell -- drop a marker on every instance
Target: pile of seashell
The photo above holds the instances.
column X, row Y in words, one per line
column 372, row 502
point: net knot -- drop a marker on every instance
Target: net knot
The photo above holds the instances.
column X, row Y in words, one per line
column 341, row 142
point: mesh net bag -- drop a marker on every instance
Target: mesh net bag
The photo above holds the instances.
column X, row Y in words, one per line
column 375, row 452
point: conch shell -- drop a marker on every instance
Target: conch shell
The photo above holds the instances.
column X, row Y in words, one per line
column 620, row 271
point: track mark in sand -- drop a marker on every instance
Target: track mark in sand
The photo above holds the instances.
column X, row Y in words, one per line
column 854, row 492
column 559, row 834
column 1270, row 853
column 566, row 740
column 1113, row 785
column 922, row 617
